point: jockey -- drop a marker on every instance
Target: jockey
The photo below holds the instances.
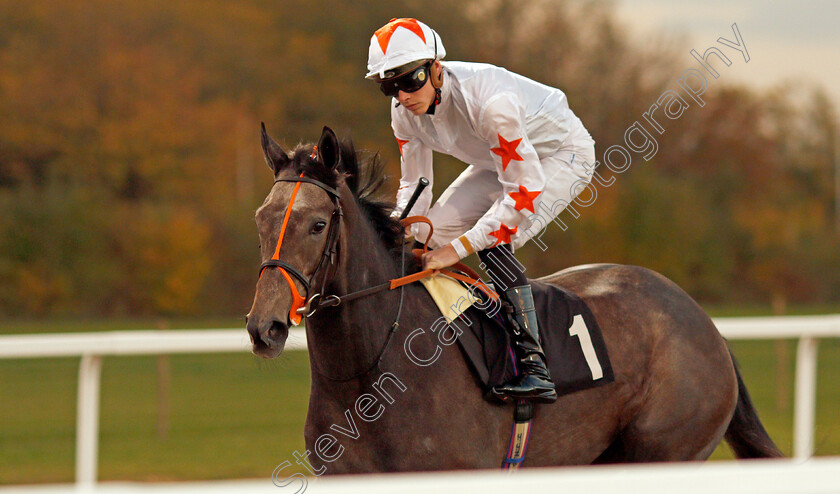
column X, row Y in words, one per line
column 523, row 145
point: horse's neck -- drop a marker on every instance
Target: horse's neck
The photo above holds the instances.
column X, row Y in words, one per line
column 346, row 340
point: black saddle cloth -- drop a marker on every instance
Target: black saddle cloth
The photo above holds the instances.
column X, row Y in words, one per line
column 577, row 357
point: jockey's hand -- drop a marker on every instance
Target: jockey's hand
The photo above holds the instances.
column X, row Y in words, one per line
column 440, row 258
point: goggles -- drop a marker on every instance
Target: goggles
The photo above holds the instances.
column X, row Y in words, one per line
column 409, row 82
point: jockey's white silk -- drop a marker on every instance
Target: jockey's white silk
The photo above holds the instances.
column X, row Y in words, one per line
column 522, row 142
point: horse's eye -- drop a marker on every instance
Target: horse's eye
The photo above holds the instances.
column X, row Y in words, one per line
column 318, row 227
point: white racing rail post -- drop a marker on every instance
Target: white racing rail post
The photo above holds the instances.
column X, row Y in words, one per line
column 806, row 398
column 87, row 419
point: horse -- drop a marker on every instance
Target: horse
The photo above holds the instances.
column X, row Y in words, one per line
column 677, row 391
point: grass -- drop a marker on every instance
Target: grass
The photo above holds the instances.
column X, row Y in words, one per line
column 771, row 388
column 237, row 416
column 229, row 416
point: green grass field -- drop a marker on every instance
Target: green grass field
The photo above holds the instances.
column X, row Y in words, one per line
column 237, row 416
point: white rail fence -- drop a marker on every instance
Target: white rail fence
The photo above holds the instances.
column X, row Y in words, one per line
column 92, row 347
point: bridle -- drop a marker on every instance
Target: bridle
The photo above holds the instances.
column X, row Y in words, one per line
column 302, row 306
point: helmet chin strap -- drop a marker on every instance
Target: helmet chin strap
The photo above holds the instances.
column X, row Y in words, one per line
column 431, row 109
column 437, row 83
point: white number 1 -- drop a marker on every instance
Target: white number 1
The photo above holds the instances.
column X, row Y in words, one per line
column 580, row 330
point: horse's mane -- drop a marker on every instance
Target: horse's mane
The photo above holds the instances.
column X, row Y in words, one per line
column 364, row 175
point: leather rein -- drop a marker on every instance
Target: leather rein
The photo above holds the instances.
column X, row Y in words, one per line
column 305, row 307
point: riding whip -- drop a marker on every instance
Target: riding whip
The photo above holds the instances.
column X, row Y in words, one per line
column 421, row 184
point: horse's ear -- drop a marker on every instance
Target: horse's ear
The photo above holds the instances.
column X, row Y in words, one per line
column 275, row 157
column 328, row 149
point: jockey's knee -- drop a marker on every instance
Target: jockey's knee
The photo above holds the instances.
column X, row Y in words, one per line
column 503, row 268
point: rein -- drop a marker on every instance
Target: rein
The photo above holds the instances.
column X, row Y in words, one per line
column 469, row 277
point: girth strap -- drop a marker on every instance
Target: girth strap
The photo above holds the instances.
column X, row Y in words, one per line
column 523, row 412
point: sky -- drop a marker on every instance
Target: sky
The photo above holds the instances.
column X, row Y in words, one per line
column 787, row 41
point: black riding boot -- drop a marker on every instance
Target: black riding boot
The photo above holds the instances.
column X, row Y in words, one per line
column 533, row 381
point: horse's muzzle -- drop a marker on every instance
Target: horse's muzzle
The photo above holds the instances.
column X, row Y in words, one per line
column 267, row 339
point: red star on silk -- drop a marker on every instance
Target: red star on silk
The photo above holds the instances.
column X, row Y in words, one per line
column 503, row 234
column 401, row 142
column 524, row 199
column 384, row 33
column 507, row 150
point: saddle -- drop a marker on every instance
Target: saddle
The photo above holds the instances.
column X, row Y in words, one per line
column 576, row 355
column 571, row 339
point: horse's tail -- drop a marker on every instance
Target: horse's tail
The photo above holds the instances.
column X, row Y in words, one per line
column 745, row 434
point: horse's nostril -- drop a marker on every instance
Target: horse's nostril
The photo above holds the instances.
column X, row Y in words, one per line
column 267, row 339
column 277, row 330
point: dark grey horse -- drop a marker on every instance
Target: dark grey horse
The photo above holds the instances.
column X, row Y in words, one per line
column 676, row 394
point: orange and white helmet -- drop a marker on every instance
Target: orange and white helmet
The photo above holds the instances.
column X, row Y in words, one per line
column 400, row 43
